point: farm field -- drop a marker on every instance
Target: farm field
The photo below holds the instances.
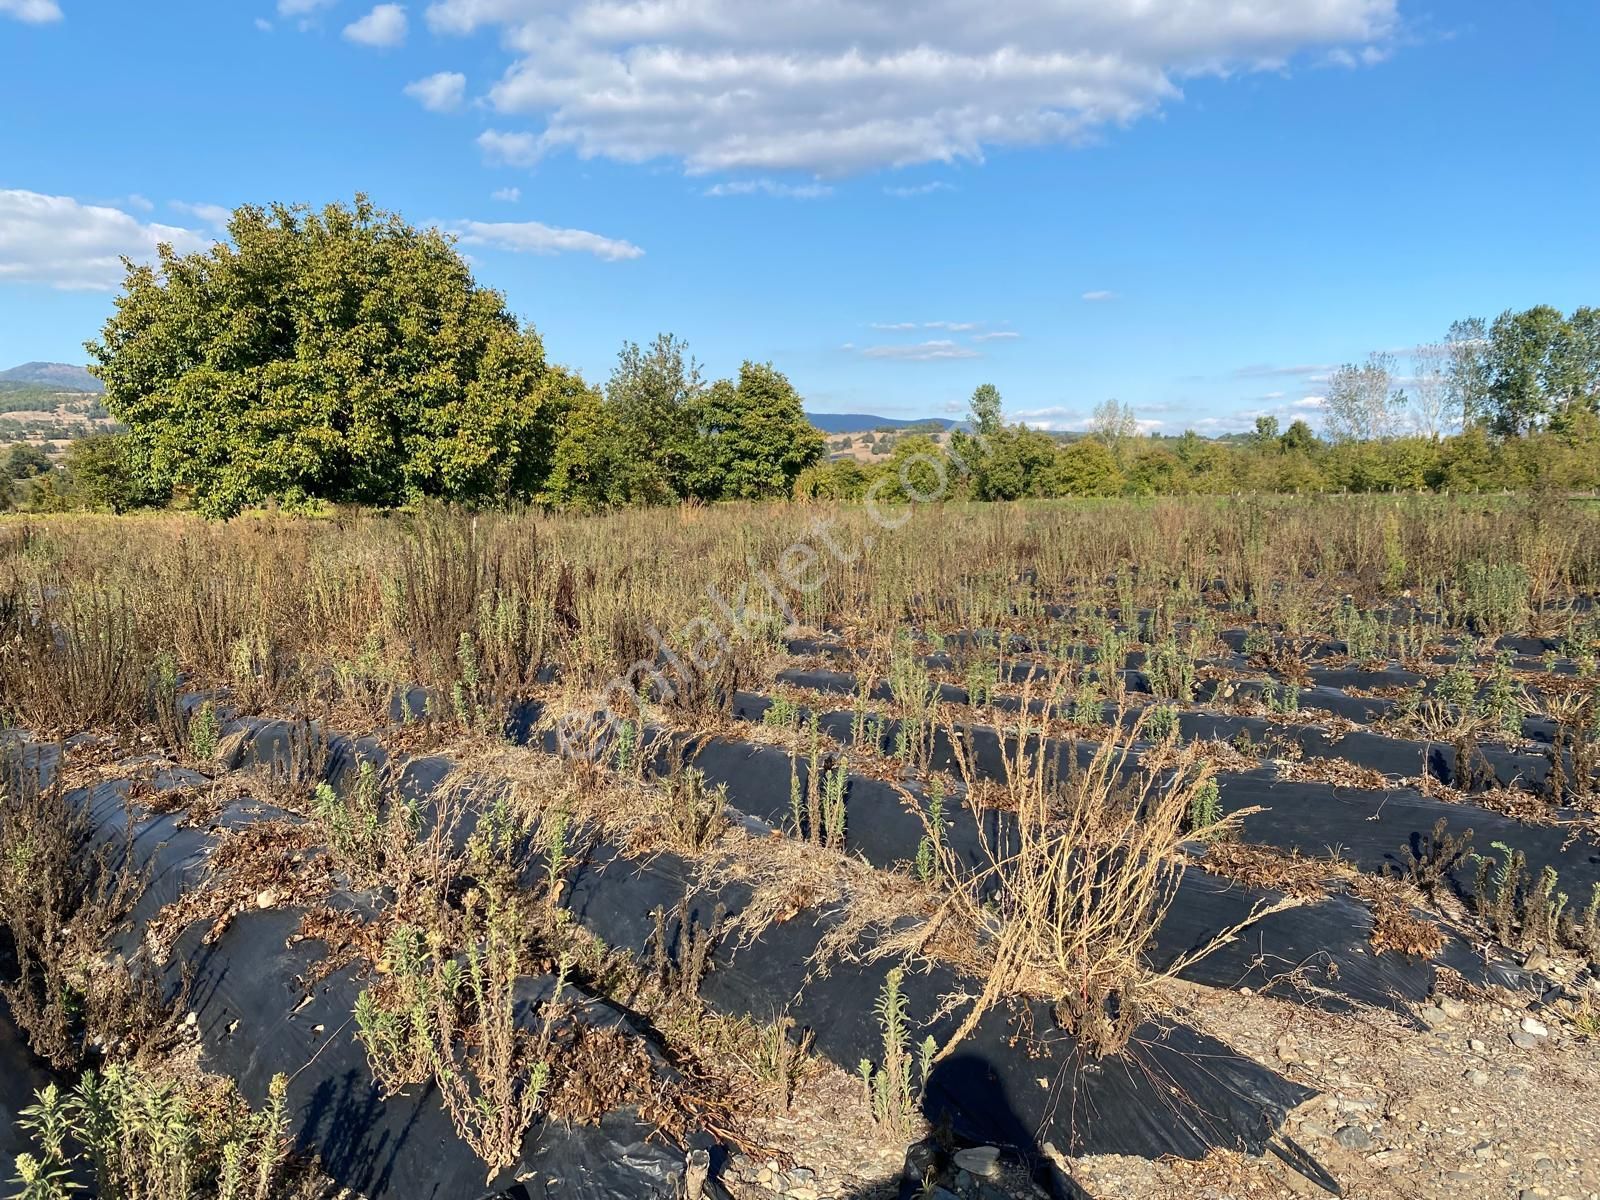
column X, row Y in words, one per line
column 1219, row 847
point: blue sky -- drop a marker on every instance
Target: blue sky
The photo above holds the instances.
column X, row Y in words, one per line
column 1194, row 206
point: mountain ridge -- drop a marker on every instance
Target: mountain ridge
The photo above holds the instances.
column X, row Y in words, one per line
column 866, row 422
column 65, row 376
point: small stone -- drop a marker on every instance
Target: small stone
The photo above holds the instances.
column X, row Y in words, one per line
column 1535, row 1026
column 1353, row 1137
column 982, row 1161
column 1433, row 1016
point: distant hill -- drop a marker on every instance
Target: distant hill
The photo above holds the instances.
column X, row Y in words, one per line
column 863, row 422
column 63, row 376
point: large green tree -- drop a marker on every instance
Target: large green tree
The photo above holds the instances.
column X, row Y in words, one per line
column 655, row 395
column 1540, row 368
column 757, row 439
column 337, row 355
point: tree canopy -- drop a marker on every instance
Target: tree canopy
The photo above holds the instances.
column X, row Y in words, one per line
column 337, row 355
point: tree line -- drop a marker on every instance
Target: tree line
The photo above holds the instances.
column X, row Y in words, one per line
column 344, row 356
column 1525, row 372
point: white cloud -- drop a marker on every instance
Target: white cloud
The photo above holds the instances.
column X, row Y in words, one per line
column 770, row 187
column 211, row 214
column 1099, row 297
column 907, row 326
column 34, row 12
column 919, row 189
column 384, row 27
column 1269, row 371
column 932, row 351
column 1366, row 56
column 509, row 149
column 835, row 86
column 532, row 237
column 55, row 240
column 440, row 92
column 1054, row 419
column 510, row 195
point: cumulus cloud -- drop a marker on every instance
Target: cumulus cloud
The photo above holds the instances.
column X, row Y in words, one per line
column 211, row 214
column 509, row 149
column 57, row 241
column 443, row 91
column 383, row 27
column 1099, row 297
column 770, row 187
column 830, row 87
column 533, row 237
column 33, row 12
column 930, row 351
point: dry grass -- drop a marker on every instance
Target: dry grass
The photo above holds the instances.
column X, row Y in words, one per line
column 1073, row 890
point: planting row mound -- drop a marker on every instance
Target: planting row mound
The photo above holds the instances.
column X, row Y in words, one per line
column 1374, row 828
column 264, row 1001
column 1017, row 1080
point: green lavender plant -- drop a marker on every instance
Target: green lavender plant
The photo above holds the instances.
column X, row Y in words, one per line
column 889, row 1085
column 204, row 729
column 1282, row 699
column 557, row 833
column 1205, row 808
column 1502, row 701
column 1161, row 721
column 833, row 810
column 1171, row 670
column 464, row 693
column 624, row 755
column 782, row 713
column 1087, row 706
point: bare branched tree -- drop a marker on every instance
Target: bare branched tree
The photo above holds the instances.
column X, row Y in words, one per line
column 1114, row 423
column 1467, row 348
column 1432, row 409
column 1363, row 403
